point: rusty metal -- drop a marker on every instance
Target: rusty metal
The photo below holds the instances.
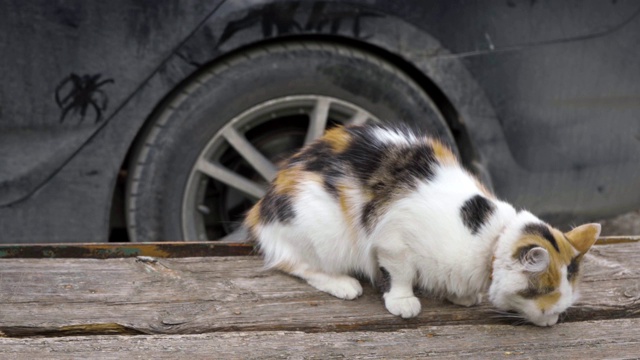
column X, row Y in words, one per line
column 123, row 250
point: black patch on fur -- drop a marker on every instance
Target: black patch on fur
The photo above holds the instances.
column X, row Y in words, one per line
column 330, row 186
column 384, row 282
column 317, row 157
column 404, row 167
column 543, row 231
column 385, row 170
column 276, row 207
column 573, row 268
column 422, row 161
column 330, row 178
column 368, row 214
column 363, row 157
column 475, row 212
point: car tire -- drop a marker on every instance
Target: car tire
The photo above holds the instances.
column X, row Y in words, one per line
column 258, row 98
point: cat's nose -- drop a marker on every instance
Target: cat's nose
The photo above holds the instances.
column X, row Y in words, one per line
column 547, row 320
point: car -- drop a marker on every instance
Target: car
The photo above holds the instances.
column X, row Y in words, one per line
column 165, row 120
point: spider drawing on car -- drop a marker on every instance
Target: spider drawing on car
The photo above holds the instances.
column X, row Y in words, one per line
column 77, row 94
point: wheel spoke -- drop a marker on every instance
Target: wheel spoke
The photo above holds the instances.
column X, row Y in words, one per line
column 249, row 152
column 358, row 118
column 318, row 119
column 232, row 179
column 198, row 214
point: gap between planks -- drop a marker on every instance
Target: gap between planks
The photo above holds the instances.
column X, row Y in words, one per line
column 618, row 338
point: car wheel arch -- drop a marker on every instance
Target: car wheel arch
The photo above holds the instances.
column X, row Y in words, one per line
column 411, row 63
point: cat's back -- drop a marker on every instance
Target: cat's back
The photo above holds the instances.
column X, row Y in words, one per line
column 332, row 201
column 357, row 173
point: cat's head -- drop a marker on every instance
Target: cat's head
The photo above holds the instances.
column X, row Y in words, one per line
column 536, row 268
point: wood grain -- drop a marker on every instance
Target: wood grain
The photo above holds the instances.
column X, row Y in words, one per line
column 163, row 249
column 63, row 297
column 581, row 340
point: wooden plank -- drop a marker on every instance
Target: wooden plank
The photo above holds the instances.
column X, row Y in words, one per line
column 122, row 250
column 582, row 340
column 198, row 295
column 163, row 249
column 608, row 240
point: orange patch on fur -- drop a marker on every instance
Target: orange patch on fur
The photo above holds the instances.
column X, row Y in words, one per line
column 584, row 236
column 443, row 153
column 483, row 189
column 312, row 176
column 287, row 179
column 338, row 138
column 343, row 201
column 547, row 301
column 344, row 204
column 253, row 217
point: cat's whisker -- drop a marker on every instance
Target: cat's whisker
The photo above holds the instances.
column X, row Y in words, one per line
column 508, row 315
column 513, row 317
column 522, row 322
column 504, row 312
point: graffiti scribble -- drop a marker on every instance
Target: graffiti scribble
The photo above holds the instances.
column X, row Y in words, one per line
column 78, row 94
column 280, row 19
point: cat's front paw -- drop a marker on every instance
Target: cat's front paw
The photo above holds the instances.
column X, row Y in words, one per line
column 405, row 307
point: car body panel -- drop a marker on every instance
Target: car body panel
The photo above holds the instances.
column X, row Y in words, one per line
column 63, row 80
column 513, row 71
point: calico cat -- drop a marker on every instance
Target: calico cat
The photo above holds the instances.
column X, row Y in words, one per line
column 395, row 205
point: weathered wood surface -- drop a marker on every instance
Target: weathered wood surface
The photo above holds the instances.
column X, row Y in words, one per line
column 123, row 250
column 64, row 297
column 618, row 339
column 162, row 249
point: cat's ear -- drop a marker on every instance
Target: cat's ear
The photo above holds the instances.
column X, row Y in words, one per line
column 535, row 259
column 583, row 236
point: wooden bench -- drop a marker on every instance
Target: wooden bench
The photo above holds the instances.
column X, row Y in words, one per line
column 137, row 301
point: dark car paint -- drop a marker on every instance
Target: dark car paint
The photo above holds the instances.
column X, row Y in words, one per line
column 531, row 86
column 49, row 106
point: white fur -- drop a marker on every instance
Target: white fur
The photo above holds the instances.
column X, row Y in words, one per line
column 446, row 256
column 396, row 137
column 422, row 234
column 420, row 239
